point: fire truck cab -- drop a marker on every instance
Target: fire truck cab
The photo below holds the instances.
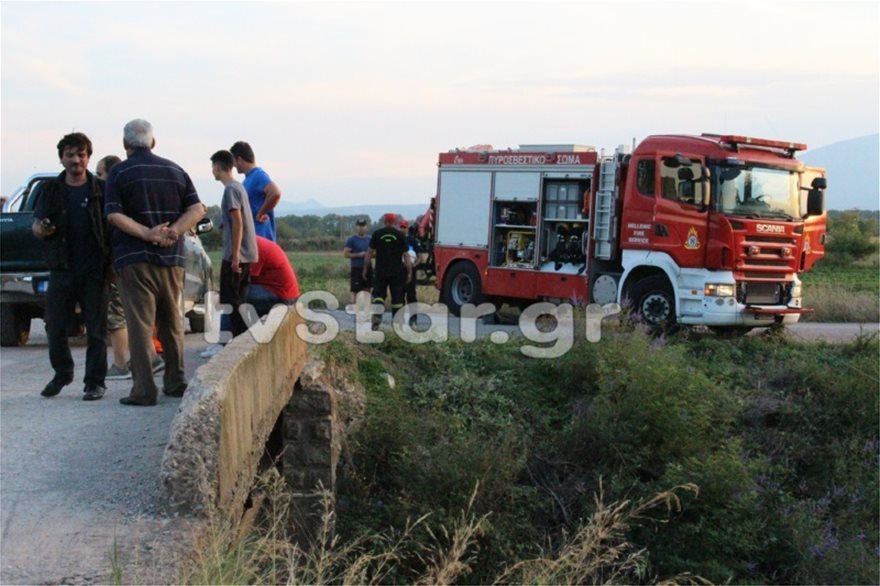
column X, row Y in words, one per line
column 706, row 229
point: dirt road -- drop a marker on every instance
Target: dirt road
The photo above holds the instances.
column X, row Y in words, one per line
column 77, row 476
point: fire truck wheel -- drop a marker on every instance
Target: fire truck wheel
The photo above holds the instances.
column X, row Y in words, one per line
column 461, row 285
column 655, row 302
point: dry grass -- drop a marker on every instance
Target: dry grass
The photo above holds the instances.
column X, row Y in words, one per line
column 597, row 553
column 837, row 303
column 265, row 555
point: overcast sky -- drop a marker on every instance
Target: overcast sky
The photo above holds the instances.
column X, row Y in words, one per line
column 351, row 103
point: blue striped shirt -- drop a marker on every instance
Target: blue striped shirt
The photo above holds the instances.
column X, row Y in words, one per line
column 151, row 191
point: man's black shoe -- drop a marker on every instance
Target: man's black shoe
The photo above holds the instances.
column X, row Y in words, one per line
column 53, row 388
column 178, row 392
column 137, row 402
column 93, row 393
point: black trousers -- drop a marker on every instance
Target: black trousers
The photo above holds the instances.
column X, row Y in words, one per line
column 234, row 291
column 381, row 284
column 66, row 289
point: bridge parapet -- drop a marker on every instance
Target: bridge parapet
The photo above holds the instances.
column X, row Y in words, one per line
column 231, row 406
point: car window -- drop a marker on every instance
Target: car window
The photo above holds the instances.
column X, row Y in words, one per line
column 35, row 191
column 681, row 183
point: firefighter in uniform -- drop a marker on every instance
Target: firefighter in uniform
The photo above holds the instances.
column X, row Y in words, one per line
column 388, row 245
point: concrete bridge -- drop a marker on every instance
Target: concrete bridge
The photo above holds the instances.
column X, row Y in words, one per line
column 253, row 402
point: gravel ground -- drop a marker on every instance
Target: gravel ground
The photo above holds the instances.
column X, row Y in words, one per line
column 76, row 476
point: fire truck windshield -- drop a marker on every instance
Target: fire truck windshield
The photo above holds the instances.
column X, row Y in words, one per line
column 757, row 192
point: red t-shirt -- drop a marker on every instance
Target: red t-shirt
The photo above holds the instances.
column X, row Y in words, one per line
column 273, row 271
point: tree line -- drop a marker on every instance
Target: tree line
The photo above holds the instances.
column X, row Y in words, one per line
column 293, row 232
column 851, row 232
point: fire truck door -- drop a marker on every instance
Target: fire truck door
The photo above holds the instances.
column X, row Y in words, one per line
column 815, row 226
column 680, row 216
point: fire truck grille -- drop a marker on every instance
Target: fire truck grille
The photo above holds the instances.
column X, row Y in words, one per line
column 767, row 263
column 771, row 239
column 756, row 275
column 757, row 293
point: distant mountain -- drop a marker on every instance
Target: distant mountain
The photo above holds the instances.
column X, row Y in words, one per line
column 853, row 172
column 286, row 208
column 407, row 210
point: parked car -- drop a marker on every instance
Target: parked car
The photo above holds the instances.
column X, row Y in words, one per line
column 24, row 276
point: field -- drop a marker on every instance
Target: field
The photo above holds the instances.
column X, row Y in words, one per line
column 323, row 271
column 848, row 293
column 856, row 277
column 634, row 460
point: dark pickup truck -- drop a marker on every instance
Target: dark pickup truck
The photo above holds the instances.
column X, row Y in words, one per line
column 24, row 276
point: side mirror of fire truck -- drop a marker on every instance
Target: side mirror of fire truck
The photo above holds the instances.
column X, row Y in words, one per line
column 815, row 198
column 679, row 160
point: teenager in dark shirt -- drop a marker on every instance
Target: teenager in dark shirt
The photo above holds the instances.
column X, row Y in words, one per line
column 355, row 249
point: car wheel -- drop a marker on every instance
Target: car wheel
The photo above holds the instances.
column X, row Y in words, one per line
column 15, row 325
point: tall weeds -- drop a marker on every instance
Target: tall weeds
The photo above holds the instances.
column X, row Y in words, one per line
column 598, row 552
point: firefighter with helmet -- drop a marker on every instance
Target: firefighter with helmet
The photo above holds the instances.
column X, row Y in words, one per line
column 388, row 246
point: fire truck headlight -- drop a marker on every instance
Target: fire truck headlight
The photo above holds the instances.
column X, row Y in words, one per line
column 719, row 290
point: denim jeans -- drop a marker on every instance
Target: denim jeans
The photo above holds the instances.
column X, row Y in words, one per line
column 66, row 289
column 264, row 300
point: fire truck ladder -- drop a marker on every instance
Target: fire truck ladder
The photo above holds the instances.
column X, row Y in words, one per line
column 603, row 216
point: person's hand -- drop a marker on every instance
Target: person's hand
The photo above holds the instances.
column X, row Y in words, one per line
column 235, row 262
column 47, row 227
column 162, row 235
column 171, row 237
column 157, row 234
column 262, row 218
column 408, row 276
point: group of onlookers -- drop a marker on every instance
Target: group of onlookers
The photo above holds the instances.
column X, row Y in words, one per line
column 115, row 247
column 254, row 268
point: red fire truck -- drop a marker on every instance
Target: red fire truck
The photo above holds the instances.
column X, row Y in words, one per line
column 708, row 229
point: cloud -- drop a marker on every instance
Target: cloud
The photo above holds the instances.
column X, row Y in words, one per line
column 696, row 91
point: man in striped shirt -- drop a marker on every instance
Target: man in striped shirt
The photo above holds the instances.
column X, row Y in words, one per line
column 150, row 203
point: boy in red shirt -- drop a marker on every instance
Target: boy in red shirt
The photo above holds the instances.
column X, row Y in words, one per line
column 272, row 278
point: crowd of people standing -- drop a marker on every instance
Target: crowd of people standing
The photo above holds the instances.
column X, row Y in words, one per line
column 114, row 245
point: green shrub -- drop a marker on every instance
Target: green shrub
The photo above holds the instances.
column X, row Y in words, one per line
column 849, row 239
column 781, row 438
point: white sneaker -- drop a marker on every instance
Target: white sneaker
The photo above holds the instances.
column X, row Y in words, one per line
column 211, row 350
